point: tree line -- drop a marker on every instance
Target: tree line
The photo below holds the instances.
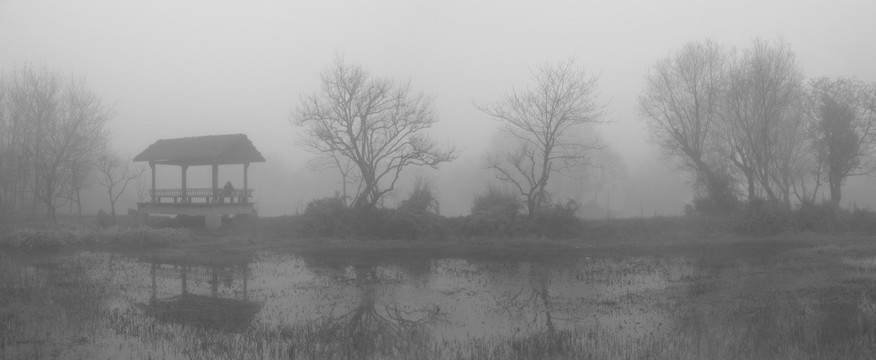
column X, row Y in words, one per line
column 53, row 137
column 744, row 123
column 747, row 123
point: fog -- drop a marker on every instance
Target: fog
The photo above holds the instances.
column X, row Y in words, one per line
column 188, row 68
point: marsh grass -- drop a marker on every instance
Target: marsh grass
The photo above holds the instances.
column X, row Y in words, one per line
column 84, row 236
column 46, row 308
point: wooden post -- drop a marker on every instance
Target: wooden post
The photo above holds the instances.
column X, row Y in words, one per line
column 152, row 165
column 215, row 182
column 185, row 169
column 245, row 199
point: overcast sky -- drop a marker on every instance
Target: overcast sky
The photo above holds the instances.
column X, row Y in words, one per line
column 187, row 68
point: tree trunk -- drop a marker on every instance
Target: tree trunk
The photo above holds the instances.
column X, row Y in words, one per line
column 835, row 190
column 751, row 187
column 78, row 204
column 51, row 211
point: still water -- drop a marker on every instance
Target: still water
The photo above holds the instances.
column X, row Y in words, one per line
column 288, row 306
column 723, row 303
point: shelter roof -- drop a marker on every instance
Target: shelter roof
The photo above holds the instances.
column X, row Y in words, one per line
column 202, row 150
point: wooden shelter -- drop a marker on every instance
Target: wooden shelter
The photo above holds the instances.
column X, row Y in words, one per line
column 213, row 151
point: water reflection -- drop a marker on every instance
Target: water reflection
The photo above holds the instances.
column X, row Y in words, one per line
column 293, row 306
column 226, row 308
column 368, row 329
column 539, row 334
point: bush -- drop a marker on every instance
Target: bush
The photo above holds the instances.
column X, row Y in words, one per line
column 557, row 221
column 144, row 237
column 39, row 239
column 398, row 224
column 706, row 206
column 496, row 202
column 327, row 217
column 824, row 217
column 862, row 221
column 494, row 222
column 421, row 200
column 764, row 217
column 493, row 213
column 45, row 239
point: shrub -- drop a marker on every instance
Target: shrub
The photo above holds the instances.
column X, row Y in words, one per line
column 326, row 217
column 557, row 221
column 490, row 223
column 44, row 239
column 824, row 217
column 707, row 206
column 421, row 200
column 497, row 202
column 716, row 192
column 143, row 237
column 764, row 217
column 862, row 221
column 39, row 239
column 493, row 213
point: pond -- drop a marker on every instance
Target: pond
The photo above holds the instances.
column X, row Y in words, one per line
column 273, row 305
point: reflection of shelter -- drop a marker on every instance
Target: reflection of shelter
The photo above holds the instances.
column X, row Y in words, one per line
column 200, row 151
column 213, row 311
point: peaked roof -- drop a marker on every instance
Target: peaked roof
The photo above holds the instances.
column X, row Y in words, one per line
column 202, row 150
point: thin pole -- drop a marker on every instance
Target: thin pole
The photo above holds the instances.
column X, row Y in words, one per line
column 185, row 169
column 215, row 182
column 152, row 166
column 245, row 183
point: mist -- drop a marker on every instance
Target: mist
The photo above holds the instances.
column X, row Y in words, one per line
column 179, row 69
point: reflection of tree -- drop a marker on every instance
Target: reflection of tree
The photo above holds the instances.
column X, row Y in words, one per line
column 368, row 330
column 543, row 336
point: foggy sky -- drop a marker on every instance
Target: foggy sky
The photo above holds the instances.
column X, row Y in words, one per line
column 192, row 67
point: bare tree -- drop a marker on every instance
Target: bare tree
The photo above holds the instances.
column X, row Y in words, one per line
column 60, row 127
column 793, row 163
column 764, row 86
column 114, row 174
column 376, row 123
column 843, row 113
column 680, row 105
column 542, row 120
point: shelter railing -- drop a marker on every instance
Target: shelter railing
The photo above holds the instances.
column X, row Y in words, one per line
column 208, row 195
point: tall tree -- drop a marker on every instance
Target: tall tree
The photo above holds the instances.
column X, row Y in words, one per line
column 763, row 87
column 60, row 128
column 843, row 113
column 542, row 119
column 680, row 105
column 376, row 123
